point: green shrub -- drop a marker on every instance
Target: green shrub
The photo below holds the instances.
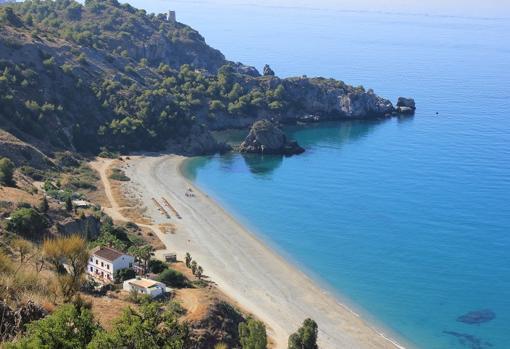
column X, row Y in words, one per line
column 27, row 221
column 6, row 171
column 35, row 174
column 252, row 334
column 156, row 266
column 173, row 278
column 305, row 337
column 119, row 175
column 123, row 275
column 69, row 327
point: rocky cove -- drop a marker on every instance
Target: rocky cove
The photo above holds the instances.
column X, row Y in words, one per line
column 314, row 100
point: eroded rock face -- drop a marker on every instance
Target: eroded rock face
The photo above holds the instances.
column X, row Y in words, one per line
column 405, row 105
column 359, row 104
column 246, row 69
column 22, row 153
column 265, row 137
column 89, row 227
column 14, row 320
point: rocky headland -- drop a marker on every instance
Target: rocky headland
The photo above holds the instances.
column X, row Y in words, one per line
column 92, row 83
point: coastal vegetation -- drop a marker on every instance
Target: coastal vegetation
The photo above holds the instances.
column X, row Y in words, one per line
column 252, row 334
column 115, row 78
column 305, row 337
column 6, row 171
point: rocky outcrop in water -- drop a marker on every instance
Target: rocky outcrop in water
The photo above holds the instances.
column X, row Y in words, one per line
column 405, row 106
column 13, row 321
column 265, row 137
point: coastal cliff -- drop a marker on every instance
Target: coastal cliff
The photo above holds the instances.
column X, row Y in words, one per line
column 106, row 75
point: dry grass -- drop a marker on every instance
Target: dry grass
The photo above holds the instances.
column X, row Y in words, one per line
column 98, row 196
column 23, row 284
column 168, row 228
column 135, row 214
column 117, row 189
column 17, row 195
column 107, row 309
column 196, row 301
column 152, row 239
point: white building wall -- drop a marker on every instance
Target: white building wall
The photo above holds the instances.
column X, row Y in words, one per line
column 101, row 268
column 153, row 291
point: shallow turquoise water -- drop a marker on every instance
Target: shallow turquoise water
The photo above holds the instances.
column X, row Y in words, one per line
column 407, row 218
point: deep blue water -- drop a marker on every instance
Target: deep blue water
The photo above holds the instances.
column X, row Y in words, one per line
column 407, row 218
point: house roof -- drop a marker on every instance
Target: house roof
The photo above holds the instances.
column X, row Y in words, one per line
column 145, row 283
column 107, row 253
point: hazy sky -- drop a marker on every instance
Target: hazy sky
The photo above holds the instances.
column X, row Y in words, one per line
column 447, row 7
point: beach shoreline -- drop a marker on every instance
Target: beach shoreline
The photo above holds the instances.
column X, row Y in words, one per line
column 243, row 266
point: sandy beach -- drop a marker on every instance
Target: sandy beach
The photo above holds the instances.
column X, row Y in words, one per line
column 244, row 268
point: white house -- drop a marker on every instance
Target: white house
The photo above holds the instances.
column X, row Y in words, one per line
column 105, row 261
column 145, row 286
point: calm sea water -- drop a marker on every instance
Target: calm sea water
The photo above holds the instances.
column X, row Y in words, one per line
column 407, row 218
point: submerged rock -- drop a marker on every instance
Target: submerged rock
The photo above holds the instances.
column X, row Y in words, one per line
column 477, row 317
column 265, row 137
column 406, row 105
column 468, row 340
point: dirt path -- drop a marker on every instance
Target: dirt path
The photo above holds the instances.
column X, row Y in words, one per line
column 115, row 210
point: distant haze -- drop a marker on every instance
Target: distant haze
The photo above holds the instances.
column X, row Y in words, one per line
column 498, row 8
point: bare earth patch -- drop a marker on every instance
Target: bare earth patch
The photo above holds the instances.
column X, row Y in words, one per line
column 107, row 309
column 16, row 195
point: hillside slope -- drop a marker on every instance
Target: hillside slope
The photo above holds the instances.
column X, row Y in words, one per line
column 106, row 75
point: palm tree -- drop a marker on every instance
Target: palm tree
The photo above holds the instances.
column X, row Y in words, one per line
column 199, row 273
column 188, row 260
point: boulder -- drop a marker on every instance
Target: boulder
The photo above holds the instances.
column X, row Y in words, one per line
column 265, row 137
column 406, row 105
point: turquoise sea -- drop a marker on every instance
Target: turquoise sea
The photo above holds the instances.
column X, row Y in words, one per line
column 408, row 219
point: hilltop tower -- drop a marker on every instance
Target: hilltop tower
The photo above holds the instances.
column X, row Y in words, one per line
column 172, row 17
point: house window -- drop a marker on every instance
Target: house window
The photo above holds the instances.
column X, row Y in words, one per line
column 108, row 266
column 97, row 262
column 91, row 259
column 131, row 265
column 91, row 269
column 102, row 264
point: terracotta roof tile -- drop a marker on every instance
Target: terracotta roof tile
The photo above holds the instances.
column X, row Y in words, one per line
column 107, row 253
